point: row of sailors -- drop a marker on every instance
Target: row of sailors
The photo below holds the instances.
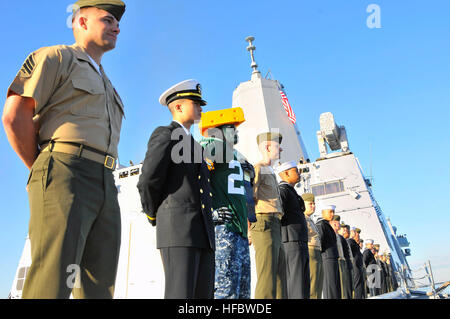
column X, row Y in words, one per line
column 348, row 274
column 323, row 259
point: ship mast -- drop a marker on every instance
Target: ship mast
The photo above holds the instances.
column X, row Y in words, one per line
column 251, row 48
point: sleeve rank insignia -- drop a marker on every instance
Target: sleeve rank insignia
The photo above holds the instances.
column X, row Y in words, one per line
column 28, row 66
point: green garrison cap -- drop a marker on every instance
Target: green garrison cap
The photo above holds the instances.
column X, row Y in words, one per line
column 115, row 7
column 308, row 197
column 269, row 136
column 337, row 218
column 358, row 230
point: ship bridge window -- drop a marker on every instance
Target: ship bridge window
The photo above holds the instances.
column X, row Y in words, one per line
column 123, row 174
column 327, row 188
column 21, row 278
column 134, row 171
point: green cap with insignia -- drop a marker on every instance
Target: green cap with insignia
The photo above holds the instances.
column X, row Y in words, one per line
column 269, row 136
column 308, row 197
column 115, row 7
column 337, row 218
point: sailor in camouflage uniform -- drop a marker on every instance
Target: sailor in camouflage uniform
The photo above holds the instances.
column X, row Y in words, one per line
column 232, row 278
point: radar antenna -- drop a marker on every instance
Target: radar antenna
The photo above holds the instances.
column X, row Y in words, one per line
column 332, row 134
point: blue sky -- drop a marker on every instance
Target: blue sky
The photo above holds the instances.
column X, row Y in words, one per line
column 389, row 86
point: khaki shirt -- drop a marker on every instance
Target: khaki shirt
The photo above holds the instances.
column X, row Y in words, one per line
column 313, row 234
column 265, row 191
column 74, row 103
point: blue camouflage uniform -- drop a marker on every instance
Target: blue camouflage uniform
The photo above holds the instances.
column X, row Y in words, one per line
column 232, row 277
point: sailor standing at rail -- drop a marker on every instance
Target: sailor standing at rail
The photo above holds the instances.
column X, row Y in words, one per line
column 346, row 289
column 175, row 195
column 370, row 265
column 383, row 272
column 358, row 268
column 390, row 268
column 330, row 255
column 63, row 101
column 344, row 231
column 294, row 233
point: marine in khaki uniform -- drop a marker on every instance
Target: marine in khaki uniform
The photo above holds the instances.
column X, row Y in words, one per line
column 266, row 231
column 314, row 249
column 63, row 117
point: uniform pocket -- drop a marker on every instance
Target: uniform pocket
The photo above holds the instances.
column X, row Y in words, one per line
column 89, row 98
column 261, row 225
column 119, row 102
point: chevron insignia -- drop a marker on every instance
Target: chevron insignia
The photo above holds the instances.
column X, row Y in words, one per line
column 28, row 66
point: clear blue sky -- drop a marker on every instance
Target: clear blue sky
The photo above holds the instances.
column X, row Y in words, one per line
column 388, row 86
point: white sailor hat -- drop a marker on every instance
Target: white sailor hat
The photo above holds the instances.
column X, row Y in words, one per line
column 285, row 166
column 189, row 89
column 380, row 253
column 328, row 207
column 369, row 241
column 353, row 229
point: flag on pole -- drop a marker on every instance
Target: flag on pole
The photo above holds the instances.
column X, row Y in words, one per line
column 288, row 108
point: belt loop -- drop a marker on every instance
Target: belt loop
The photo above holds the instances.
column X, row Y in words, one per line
column 81, row 150
column 52, row 145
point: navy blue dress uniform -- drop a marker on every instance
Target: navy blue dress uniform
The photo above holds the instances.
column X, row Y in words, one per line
column 347, row 267
column 358, row 269
column 176, row 196
column 331, row 279
column 383, row 276
column 294, row 236
column 368, row 261
column 391, row 271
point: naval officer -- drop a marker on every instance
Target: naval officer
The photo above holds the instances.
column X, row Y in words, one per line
column 63, row 117
column 175, row 195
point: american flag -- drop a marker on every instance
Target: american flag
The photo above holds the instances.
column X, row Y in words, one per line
column 288, row 108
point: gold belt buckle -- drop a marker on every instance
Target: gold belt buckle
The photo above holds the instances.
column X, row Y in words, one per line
column 109, row 162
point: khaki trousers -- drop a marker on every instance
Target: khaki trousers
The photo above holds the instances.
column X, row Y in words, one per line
column 316, row 272
column 74, row 228
column 269, row 258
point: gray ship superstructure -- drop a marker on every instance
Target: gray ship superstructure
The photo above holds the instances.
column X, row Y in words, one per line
column 335, row 178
